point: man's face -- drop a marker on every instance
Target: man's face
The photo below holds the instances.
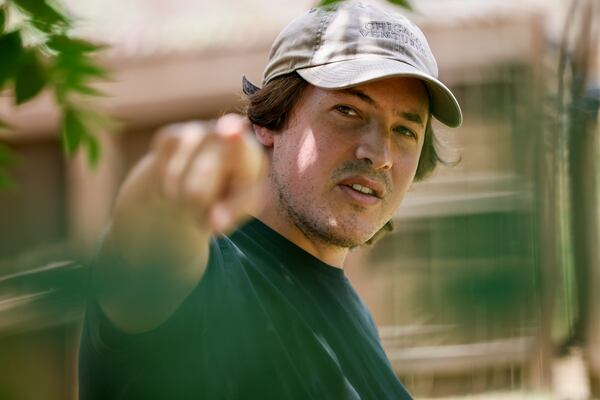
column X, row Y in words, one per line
column 340, row 144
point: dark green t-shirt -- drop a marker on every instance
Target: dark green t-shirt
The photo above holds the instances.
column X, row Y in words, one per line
column 267, row 321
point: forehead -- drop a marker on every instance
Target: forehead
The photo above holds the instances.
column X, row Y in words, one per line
column 389, row 94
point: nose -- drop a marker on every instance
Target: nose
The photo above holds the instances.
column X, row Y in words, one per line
column 375, row 148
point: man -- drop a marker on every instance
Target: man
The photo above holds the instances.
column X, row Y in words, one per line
column 339, row 130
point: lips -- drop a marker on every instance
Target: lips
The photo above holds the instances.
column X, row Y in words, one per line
column 357, row 183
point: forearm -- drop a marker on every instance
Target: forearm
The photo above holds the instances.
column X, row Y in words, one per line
column 151, row 256
column 192, row 183
column 138, row 296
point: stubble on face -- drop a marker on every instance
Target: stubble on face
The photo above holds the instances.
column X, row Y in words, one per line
column 315, row 229
column 317, row 223
column 321, row 211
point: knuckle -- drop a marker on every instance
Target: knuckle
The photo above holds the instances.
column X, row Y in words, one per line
column 232, row 125
column 193, row 129
column 175, row 134
column 163, row 140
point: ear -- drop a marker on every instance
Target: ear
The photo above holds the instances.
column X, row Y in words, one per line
column 264, row 135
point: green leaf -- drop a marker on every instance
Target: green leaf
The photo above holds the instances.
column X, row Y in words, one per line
column 2, row 19
column 80, row 64
column 75, row 134
column 60, row 94
column 72, row 71
column 86, row 89
column 31, row 77
column 326, row 3
column 65, row 44
column 402, row 3
column 11, row 49
column 73, row 131
column 44, row 16
column 92, row 70
column 93, row 150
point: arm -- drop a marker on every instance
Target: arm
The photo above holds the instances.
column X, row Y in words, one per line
column 191, row 184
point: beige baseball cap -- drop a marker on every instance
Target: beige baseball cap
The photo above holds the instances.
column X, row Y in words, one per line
column 352, row 43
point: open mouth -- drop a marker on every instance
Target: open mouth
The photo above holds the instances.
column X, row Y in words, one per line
column 360, row 194
column 362, row 189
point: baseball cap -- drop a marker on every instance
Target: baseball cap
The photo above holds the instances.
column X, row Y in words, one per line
column 352, row 43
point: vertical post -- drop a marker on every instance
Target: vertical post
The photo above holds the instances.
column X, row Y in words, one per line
column 91, row 192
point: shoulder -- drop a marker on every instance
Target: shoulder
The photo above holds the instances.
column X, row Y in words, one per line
column 244, row 251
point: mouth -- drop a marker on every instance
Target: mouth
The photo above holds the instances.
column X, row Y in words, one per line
column 358, row 197
column 362, row 191
column 364, row 186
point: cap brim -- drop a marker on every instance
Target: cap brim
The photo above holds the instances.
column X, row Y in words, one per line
column 344, row 74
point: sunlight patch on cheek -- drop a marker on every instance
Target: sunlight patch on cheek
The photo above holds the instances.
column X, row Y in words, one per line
column 307, row 153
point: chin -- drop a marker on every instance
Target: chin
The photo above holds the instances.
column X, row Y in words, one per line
column 352, row 235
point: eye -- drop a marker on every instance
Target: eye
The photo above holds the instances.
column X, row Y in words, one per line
column 346, row 110
column 404, row 131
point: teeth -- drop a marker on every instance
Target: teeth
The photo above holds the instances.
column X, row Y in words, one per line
column 362, row 189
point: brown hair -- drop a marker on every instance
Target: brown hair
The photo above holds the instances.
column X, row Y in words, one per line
column 271, row 106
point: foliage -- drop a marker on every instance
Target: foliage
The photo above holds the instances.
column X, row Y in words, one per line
column 39, row 53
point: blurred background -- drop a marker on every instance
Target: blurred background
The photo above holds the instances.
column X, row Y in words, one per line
column 488, row 286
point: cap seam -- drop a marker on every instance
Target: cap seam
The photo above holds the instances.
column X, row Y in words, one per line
column 323, row 24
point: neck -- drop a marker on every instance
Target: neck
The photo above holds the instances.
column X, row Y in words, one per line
column 329, row 254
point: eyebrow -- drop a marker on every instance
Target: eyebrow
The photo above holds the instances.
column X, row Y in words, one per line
column 411, row 116
column 361, row 95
